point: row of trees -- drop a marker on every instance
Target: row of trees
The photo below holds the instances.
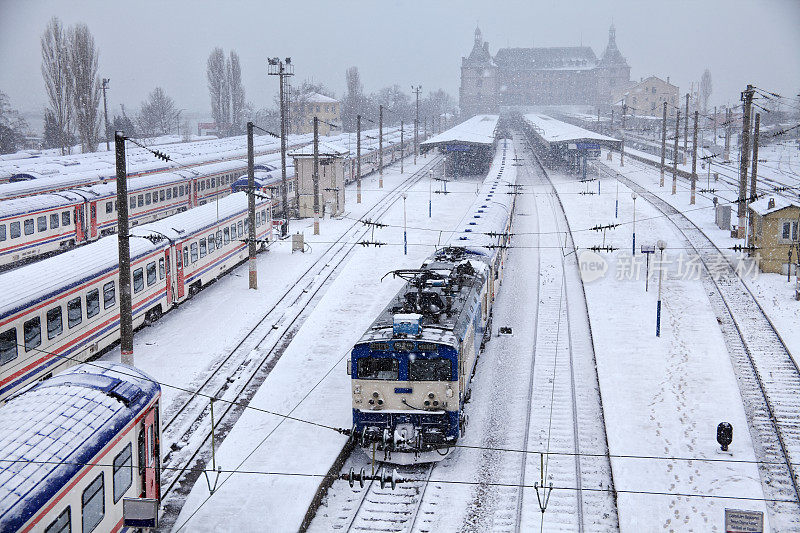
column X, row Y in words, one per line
column 12, row 127
column 226, row 91
column 69, row 69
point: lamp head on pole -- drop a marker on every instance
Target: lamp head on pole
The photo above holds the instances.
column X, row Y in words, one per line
column 662, row 245
column 634, row 196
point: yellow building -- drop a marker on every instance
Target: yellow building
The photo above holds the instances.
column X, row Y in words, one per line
column 776, row 220
column 647, row 97
column 312, row 105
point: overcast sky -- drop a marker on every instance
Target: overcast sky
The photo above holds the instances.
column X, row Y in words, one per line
column 145, row 43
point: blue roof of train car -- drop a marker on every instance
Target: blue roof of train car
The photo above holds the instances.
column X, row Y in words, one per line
column 50, row 431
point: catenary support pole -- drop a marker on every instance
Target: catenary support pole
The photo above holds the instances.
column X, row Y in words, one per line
column 123, row 244
column 358, row 159
column 105, row 110
column 745, row 160
column 694, row 161
column 315, row 176
column 675, row 154
column 251, row 210
column 663, row 143
column 686, row 126
column 754, row 173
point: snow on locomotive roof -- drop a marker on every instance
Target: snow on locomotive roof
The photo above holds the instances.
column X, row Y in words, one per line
column 555, row 131
column 53, row 429
column 476, row 130
column 38, row 281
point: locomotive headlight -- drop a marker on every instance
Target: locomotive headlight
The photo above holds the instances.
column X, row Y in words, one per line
column 449, row 392
column 357, row 389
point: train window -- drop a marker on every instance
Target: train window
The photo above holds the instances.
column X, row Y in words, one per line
column 138, row 280
column 15, row 232
column 169, row 194
column 109, row 295
column 33, row 333
column 185, row 256
column 8, row 345
column 2, row 232
column 194, row 251
column 55, row 324
column 148, row 198
column 140, row 200
column 263, row 216
column 378, row 368
column 41, row 223
column 240, row 227
column 226, row 236
column 109, row 207
column 213, row 183
column 202, row 247
column 210, row 243
column 92, row 303
column 161, row 195
column 219, row 239
column 180, row 190
column 62, row 524
column 202, row 185
column 123, row 472
column 65, row 218
column 74, row 312
column 246, row 228
column 94, row 507
column 161, row 269
column 155, row 197
column 28, row 226
column 430, row 370
column 233, row 232
column 54, row 221
column 133, row 202
column 151, row 273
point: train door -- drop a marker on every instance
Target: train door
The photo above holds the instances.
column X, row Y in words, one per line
column 168, row 276
column 80, row 224
column 149, row 454
column 179, row 270
column 194, row 193
column 93, row 220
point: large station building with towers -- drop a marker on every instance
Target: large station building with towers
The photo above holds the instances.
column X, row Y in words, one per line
column 524, row 77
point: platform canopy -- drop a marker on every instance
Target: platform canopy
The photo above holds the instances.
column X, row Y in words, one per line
column 476, row 132
column 561, row 135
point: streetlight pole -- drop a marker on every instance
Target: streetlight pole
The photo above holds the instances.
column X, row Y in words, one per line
column 405, row 234
column 661, row 246
column 616, row 203
column 277, row 67
column 104, row 87
column 633, row 195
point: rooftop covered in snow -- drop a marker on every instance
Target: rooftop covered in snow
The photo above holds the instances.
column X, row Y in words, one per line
column 479, row 130
column 555, row 132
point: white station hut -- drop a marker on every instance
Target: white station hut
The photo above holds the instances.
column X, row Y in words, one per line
column 331, row 178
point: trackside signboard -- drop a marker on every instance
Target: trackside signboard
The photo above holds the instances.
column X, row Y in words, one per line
column 739, row 521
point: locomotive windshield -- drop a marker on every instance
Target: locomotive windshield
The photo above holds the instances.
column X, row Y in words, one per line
column 430, row 370
column 378, row 368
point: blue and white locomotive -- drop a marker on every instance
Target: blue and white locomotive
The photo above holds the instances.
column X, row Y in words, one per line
column 411, row 370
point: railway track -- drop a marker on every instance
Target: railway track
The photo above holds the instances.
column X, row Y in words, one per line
column 235, row 378
column 768, row 376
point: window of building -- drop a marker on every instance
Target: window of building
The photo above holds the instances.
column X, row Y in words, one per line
column 92, row 303
column 74, row 312
column 41, row 223
column 8, row 345
column 55, row 324
column 789, row 230
column 109, row 295
column 123, row 472
column 33, row 333
column 65, row 218
column 109, row 207
column 151, row 273
column 54, row 221
column 94, row 507
column 29, row 226
column 138, row 280
column 62, row 524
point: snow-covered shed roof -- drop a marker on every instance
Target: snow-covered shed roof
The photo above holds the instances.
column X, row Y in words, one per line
column 326, row 149
column 771, row 204
column 479, row 129
column 552, row 58
column 554, row 131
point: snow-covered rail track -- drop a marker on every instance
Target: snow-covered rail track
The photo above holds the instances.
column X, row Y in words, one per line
column 768, row 376
column 235, row 378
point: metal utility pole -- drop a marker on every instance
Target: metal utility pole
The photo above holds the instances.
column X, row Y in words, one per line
column 754, row 171
column 251, row 210
column 675, row 155
column 380, row 146
column 715, row 127
column 315, row 176
column 416, row 90
column 742, row 211
column 694, row 161
column 612, row 120
column 105, row 109
column 624, row 112
column 727, row 154
column 686, row 126
column 123, row 244
column 277, row 67
column 358, row 159
column 621, row 156
column 402, row 148
column 663, row 143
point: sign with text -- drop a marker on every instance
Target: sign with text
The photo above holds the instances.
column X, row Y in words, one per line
column 458, row 148
column 588, row 146
column 740, row 521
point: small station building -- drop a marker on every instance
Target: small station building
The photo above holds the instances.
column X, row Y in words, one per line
column 775, row 233
column 331, row 178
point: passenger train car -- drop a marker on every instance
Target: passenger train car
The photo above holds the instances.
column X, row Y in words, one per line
column 411, row 370
column 72, row 447
column 65, row 309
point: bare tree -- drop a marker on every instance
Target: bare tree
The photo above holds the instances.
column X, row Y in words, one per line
column 354, row 101
column 55, row 71
column 218, row 88
column 157, row 115
column 705, row 89
column 12, row 127
column 85, row 85
column 236, row 92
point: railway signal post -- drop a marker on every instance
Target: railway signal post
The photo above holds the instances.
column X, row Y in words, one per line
column 251, row 210
column 661, row 246
column 123, row 244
